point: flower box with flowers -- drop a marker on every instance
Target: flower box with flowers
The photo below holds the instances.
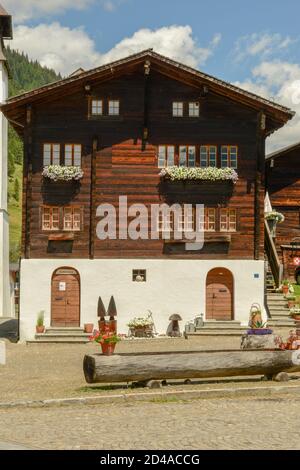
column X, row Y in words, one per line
column 141, row 327
column 209, row 174
column 107, row 340
column 62, row 173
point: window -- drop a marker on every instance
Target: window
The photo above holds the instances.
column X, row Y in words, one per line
column 229, row 156
column 50, row 218
column 97, row 108
column 166, row 156
column 207, row 221
column 186, row 221
column 194, row 109
column 113, row 107
column 139, row 275
column 208, row 156
column 178, row 108
column 228, row 220
column 164, row 222
column 51, row 154
column 73, row 154
column 187, row 155
column 72, row 218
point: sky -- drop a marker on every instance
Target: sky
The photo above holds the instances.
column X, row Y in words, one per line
column 255, row 45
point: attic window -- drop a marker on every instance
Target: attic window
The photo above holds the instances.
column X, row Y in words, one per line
column 97, row 107
column 114, row 107
column 178, row 108
column 194, row 109
column 139, row 275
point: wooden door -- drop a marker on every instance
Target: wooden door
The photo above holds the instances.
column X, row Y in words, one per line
column 219, row 295
column 65, row 298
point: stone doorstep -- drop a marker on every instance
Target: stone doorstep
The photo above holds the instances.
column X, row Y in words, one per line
column 160, row 395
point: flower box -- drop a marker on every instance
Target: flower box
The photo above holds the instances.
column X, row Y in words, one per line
column 212, row 174
column 62, row 173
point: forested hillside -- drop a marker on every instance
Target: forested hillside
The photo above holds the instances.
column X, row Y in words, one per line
column 25, row 75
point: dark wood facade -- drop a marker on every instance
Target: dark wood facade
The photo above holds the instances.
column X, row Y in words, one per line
column 120, row 155
column 283, row 186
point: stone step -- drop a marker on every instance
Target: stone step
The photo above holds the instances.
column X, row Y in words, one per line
column 278, row 302
column 65, row 330
column 220, row 332
column 59, row 338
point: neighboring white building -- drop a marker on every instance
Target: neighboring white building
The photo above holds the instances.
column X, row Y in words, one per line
column 5, row 294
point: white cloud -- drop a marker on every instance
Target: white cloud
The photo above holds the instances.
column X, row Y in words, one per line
column 66, row 49
column 261, row 44
column 279, row 81
column 24, row 10
column 174, row 41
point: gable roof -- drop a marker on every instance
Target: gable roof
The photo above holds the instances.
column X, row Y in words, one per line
column 3, row 12
column 280, row 113
column 283, row 151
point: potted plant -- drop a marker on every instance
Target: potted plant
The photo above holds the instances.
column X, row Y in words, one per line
column 273, row 218
column 291, row 300
column 285, row 286
column 89, row 328
column 295, row 313
column 107, row 340
column 40, row 327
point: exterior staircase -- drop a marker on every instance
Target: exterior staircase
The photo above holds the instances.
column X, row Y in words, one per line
column 62, row 335
column 220, row 328
column 279, row 311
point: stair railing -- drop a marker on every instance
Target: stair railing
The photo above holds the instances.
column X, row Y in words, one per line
column 273, row 258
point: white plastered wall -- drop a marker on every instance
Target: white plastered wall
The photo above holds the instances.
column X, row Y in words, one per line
column 173, row 286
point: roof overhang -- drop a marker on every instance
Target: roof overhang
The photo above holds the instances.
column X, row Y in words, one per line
column 278, row 115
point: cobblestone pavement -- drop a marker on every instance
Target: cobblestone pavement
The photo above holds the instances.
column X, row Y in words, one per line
column 45, row 371
column 201, row 424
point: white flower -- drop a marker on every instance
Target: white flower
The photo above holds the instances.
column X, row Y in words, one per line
column 62, row 173
column 176, row 173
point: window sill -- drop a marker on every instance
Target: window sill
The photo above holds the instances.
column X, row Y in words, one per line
column 106, row 118
column 61, row 236
column 208, row 238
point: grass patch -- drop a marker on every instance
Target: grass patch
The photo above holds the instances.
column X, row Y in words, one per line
column 15, row 213
column 99, row 388
column 296, row 289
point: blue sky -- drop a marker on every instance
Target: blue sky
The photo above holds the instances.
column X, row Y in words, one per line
column 253, row 44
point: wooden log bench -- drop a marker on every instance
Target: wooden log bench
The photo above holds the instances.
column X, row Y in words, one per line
column 151, row 369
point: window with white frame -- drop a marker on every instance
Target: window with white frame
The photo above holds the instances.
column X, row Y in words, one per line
column 228, row 220
column 166, row 156
column 50, row 218
column 207, row 222
column 96, row 107
column 72, row 218
column 113, row 107
column 186, row 220
column 73, row 154
column 194, row 109
column 229, row 156
column 208, row 156
column 51, row 154
column 165, row 222
column 187, row 155
column 177, row 108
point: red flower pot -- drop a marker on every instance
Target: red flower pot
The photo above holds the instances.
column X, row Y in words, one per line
column 285, row 290
column 40, row 329
column 108, row 348
column 88, row 327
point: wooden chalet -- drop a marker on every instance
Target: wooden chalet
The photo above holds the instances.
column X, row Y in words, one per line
column 122, row 123
column 283, row 186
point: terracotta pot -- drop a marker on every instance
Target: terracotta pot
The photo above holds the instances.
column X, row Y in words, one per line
column 40, row 329
column 89, row 327
column 285, row 290
column 108, row 348
column 296, row 317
